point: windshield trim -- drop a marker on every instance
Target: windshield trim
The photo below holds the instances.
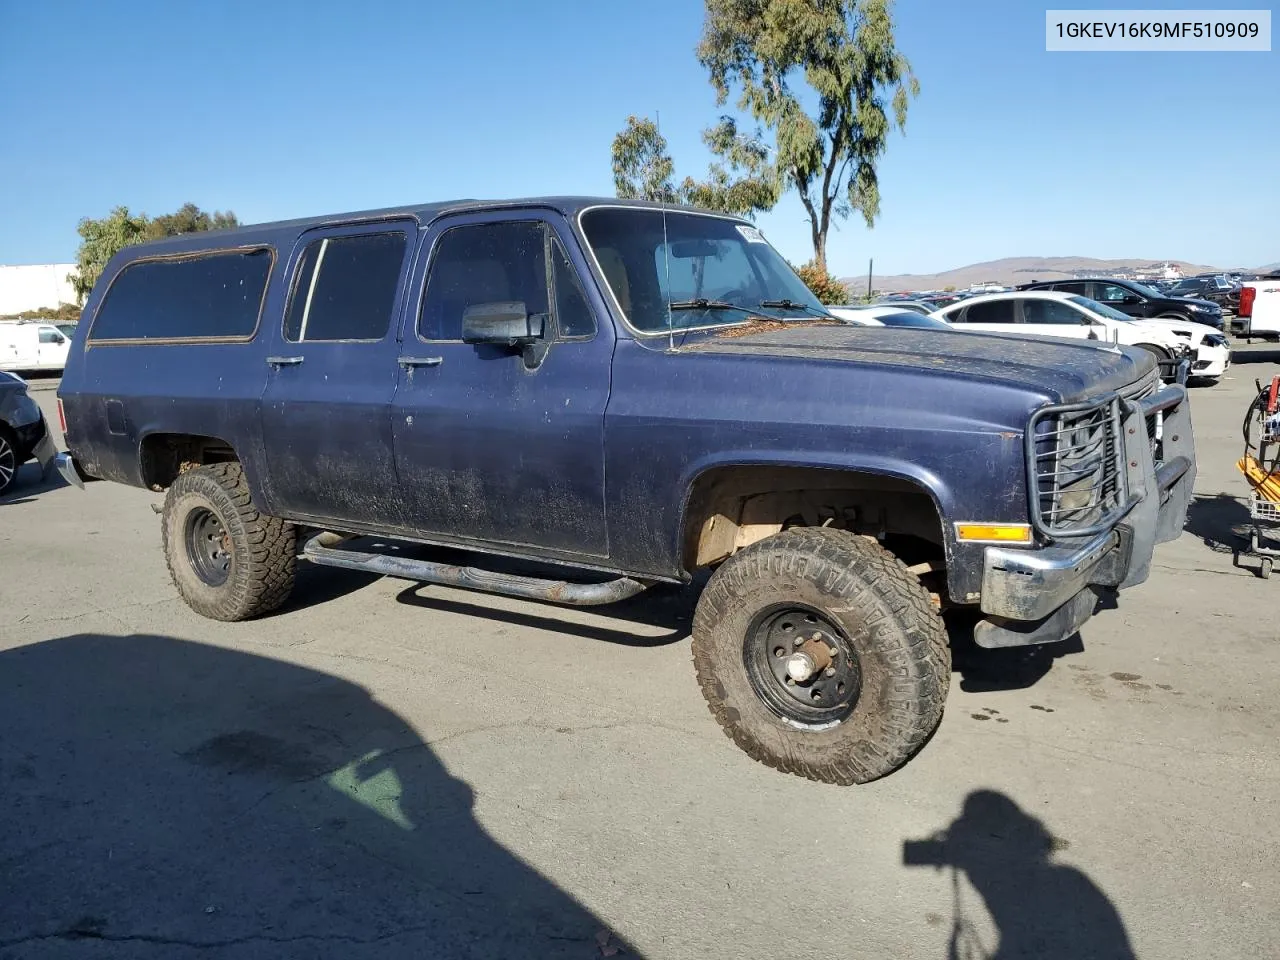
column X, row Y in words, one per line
column 602, row 281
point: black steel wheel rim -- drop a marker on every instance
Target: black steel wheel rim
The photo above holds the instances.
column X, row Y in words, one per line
column 208, row 546
column 820, row 701
column 8, row 462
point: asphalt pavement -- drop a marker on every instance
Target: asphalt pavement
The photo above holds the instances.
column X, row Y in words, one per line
column 391, row 770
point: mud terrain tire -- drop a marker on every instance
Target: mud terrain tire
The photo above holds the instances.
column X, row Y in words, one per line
column 887, row 625
column 252, row 572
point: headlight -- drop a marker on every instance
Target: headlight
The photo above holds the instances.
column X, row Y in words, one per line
column 1194, row 307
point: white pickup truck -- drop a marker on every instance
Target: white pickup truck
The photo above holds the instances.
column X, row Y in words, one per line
column 1260, row 308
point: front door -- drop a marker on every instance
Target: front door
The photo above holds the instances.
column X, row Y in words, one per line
column 497, row 443
column 1054, row 318
column 326, row 407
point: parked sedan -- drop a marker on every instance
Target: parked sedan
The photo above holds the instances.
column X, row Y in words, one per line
column 1137, row 300
column 23, row 432
column 1218, row 289
column 1046, row 313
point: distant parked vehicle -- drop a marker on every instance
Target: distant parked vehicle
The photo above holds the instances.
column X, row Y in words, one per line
column 27, row 345
column 23, row 432
column 1137, row 300
column 1045, row 313
column 1217, row 289
column 901, row 314
column 1259, row 314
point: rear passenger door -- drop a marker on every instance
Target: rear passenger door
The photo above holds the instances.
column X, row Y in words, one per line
column 332, row 373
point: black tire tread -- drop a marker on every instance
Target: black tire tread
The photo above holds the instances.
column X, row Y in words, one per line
column 876, row 578
column 265, row 547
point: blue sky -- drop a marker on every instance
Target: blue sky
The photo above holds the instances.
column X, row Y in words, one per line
column 288, row 108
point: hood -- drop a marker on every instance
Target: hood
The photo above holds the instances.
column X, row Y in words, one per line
column 1198, row 331
column 1065, row 370
column 1201, row 302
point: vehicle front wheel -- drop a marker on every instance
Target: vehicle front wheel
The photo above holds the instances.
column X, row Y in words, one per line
column 9, row 461
column 228, row 561
column 820, row 654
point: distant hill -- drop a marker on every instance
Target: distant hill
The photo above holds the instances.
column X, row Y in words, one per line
column 1015, row 270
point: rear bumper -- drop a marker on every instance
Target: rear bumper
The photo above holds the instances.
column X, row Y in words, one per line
column 69, row 469
column 1044, row 594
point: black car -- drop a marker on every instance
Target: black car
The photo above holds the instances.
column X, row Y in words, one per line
column 1218, row 289
column 23, row 432
column 1137, row 300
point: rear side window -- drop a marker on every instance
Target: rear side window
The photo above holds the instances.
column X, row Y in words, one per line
column 211, row 297
column 993, row 311
column 345, row 288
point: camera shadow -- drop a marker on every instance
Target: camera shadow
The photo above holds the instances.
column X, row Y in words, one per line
column 1040, row 908
column 159, row 796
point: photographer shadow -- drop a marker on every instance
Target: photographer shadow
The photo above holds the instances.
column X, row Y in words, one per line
column 198, row 799
column 1040, row 908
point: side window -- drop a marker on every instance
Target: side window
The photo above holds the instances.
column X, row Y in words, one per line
column 50, row 335
column 1070, row 287
column 345, row 288
column 1110, row 293
column 573, row 313
column 205, row 296
column 1050, row 311
column 484, row 263
column 993, row 311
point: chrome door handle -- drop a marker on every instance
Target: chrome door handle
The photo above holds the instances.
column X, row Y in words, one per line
column 408, row 362
column 284, row 361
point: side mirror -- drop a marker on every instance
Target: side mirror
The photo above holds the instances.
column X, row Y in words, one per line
column 1131, row 298
column 506, row 322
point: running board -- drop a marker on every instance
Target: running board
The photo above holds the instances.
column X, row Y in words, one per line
column 322, row 549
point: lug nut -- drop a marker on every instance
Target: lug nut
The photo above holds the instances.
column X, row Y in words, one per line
column 830, row 671
column 799, row 641
column 833, row 651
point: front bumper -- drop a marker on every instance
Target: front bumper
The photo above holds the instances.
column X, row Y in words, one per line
column 1211, row 361
column 1044, row 594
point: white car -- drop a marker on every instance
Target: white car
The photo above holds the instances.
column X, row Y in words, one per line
column 1049, row 313
column 32, row 345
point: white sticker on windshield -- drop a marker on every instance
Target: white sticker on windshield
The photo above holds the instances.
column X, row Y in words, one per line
column 751, row 234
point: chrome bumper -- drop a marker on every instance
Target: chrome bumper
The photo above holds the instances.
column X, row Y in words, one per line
column 1044, row 594
column 67, row 467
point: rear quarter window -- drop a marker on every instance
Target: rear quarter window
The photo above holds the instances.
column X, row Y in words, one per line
column 214, row 296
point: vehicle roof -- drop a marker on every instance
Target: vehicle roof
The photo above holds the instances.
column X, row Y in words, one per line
column 569, row 206
column 1011, row 295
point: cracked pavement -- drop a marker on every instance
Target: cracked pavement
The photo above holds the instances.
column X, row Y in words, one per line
column 382, row 770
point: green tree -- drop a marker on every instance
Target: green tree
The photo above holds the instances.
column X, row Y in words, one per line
column 844, row 52
column 643, row 169
column 100, row 240
column 190, row 219
column 824, row 286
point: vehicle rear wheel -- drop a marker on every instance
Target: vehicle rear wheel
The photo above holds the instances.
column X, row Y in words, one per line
column 9, row 462
column 820, row 654
column 228, row 561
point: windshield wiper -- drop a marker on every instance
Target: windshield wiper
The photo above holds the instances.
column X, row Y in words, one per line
column 792, row 305
column 702, row 303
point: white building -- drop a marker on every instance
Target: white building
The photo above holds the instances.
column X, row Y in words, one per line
column 32, row 286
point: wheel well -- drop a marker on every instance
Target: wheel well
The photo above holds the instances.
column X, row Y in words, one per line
column 1155, row 348
column 730, row 508
column 165, row 455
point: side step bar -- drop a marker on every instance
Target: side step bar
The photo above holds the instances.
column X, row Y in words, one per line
column 322, row 549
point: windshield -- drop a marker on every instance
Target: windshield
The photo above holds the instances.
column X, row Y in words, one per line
column 1145, row 290
column 1111, row 313
column 697, row 258
column 907, row 318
